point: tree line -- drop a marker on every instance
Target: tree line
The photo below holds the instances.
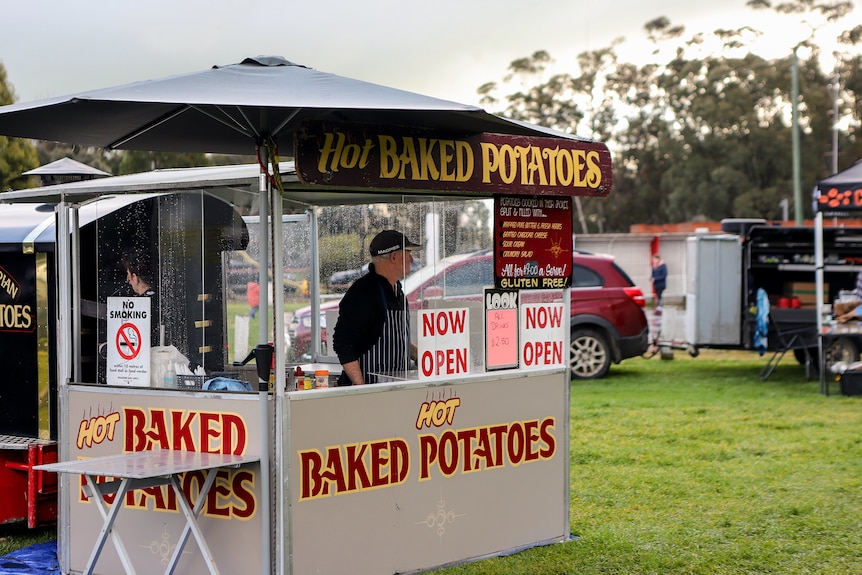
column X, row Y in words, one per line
column 698, row 135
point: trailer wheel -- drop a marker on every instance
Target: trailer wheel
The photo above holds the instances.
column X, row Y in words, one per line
column 590, row 355
column 841, row 349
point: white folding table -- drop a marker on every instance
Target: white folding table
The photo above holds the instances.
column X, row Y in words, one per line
column 148, row 469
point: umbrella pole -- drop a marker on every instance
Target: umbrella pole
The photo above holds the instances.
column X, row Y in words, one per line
column 263, row 254
column 263, row 237
column 276, row 428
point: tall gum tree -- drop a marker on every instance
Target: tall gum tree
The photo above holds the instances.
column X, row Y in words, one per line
column 702, row 130
column 16, row 155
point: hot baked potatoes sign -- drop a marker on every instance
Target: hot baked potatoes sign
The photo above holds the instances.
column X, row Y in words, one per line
column 387, row 158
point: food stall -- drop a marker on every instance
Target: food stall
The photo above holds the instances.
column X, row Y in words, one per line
column 462, row 458
column 838, row 195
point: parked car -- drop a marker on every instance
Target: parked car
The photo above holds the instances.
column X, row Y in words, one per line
column 607, row 324
column 299, row 330
column 340, row 281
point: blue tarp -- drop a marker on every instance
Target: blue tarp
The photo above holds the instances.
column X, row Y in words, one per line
column 39, row 559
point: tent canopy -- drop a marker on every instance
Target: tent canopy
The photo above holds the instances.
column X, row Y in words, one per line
column 840, row 192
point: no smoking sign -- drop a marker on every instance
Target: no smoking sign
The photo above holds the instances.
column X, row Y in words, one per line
column 129, row 341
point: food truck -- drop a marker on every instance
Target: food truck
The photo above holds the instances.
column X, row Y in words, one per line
column 463, row 456
column 28, row 432
column 110, row 227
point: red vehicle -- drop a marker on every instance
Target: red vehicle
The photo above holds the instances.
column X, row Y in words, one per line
column 608, row 323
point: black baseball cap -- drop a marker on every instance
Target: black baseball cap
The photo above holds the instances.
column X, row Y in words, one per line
column 389, row 241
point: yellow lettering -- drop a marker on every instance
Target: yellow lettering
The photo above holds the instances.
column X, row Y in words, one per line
column 426, row 161
column 408, row 158
column 489, row 161
column 388, row 157
column 594, row 170
column 464, row 157
column 446, row 155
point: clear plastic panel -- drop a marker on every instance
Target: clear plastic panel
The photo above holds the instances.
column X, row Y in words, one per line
column 452, row 269
column 197, row 262
column 163, row 253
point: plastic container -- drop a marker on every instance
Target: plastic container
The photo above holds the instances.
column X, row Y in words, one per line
column 321, row 378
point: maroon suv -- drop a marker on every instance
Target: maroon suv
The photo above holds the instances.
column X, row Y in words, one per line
column 607, row 318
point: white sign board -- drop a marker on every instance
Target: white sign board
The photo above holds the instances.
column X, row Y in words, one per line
column 444, row 342
column 129, row 341
column 543, row 334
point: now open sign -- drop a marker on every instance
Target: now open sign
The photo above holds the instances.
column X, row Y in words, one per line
column 444, row 342
column 543, row 333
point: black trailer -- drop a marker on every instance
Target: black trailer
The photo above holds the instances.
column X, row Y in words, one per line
column 754, row 287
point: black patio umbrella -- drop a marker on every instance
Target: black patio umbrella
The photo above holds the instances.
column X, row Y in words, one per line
column 230, row 109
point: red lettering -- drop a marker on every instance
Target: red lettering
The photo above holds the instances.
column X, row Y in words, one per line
column 531, row 435
column 466, row 437
column 209, row 429
column 399, row 466
column 442, row 323
column 243, row 489
column 310, row 465
column 183, row 437
column 135, row 439
column 543, row 353
column 356, row 468
column 548, row 437
column 443, row 362
column 516, row 444
column 159, row 434
column 234, row 434
column 218, row 492
column 428, row 454
column 448, row 453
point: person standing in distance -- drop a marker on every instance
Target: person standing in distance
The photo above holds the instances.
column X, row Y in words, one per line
column 372, row 334
column 659, row 279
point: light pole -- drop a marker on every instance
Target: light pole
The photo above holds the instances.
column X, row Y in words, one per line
column 797, row 184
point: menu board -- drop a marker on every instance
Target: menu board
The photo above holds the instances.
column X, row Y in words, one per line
column 533, row 242
column 501, row 329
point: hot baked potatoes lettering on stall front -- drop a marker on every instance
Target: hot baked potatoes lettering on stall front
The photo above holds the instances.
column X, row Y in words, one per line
column 382, row 463
column 144, row 429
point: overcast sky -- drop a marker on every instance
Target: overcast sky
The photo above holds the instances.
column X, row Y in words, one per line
column 442, row 48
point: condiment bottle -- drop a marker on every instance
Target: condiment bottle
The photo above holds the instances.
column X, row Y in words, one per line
column 299, row 376
column 321, row 378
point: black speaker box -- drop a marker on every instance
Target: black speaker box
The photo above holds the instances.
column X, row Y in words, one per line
column 851, row 383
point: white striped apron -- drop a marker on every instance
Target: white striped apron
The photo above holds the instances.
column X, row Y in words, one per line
column 391, row 353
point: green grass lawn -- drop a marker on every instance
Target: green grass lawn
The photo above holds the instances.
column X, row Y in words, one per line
column 696, row 466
